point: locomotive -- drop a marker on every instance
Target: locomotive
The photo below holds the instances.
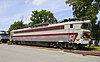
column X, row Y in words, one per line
column 4, row 36
column 71, row 34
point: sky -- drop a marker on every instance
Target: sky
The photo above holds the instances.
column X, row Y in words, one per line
column 14, row 10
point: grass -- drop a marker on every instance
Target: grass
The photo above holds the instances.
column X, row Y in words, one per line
column 97, row 48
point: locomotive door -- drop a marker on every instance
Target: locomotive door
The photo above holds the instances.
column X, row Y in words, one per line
column 71, row 33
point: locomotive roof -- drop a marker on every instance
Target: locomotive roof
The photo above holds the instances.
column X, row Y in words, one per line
column 3, row 32
column 70, row 22
column 57, row 24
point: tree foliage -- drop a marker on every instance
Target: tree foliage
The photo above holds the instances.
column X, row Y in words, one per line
column 17, row 25
column 42, row 16
column 86, row 9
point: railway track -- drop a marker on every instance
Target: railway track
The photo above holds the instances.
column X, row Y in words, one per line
column 84, row 52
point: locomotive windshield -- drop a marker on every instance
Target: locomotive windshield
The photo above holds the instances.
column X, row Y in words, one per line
column 85, row 26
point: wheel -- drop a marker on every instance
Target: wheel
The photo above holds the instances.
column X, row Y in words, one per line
column 0, row 42
column 17, row 42
column 69, row 45
column 61, row 46
column 53, row 45
column 75, row 46
column 9, row 42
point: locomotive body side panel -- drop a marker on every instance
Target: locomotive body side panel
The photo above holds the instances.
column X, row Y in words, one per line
column 70, row 32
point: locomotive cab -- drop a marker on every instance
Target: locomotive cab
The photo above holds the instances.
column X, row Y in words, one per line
column 84, row 34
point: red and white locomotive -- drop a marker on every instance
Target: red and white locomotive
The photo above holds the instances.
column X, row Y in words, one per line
column 71, row 34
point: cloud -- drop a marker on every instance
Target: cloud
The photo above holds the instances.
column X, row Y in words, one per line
column 38, row 2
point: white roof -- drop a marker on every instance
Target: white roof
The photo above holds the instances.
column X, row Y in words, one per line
column 71, row 22
column 57, row 24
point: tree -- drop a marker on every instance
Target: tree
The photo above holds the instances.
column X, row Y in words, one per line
column 30, row 24
column 17, row 25
column 42, row 16
column 87, row 9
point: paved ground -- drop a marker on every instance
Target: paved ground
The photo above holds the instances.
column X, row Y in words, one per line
column 15, row 53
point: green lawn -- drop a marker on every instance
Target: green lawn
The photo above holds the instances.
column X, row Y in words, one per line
column 93, row 47
column 97, row 48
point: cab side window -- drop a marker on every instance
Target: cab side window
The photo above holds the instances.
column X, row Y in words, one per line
column 71, row 25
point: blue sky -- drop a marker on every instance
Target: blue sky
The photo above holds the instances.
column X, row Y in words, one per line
column 13, row 10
